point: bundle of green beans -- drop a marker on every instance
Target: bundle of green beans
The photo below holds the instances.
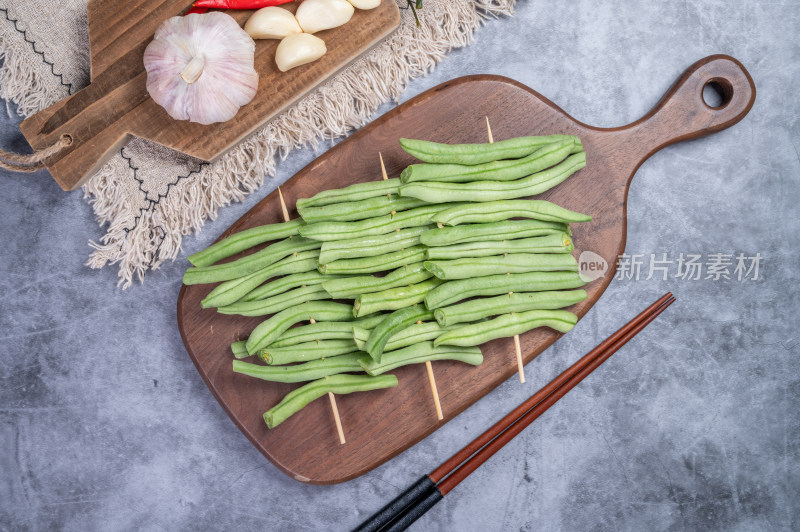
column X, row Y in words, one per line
column 425, row 267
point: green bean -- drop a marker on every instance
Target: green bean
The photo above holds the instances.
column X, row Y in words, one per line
column 360, row 336
column 357, row 192
column 271, row 305
column 276, row 356
column 505, row 170
column 420, row 353
column 249, row 264
column 379, row 225
column 242, row 240
column 375, row 264
column 555, row 243
column 370, row 246
column 323, row 330
column 393, row 299
column 506, row 230
column 496, row 211
column 316, row 369
column 339, row 384
column 435, row 192
column 472, row 267
column 418, row 332
column 394, row 322
column 349, row 287
column 492, row 285
column 283, row 284
column 433, row 152
column 358, row 210
column 232, row 291
column 508, row 325
column 271, row 329
column 477, row 309
column 239, row 349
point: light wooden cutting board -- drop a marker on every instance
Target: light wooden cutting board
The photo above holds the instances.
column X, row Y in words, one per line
column 115, row 106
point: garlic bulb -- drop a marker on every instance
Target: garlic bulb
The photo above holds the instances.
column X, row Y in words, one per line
column 271, row 23
column 200, row 67
column 365, row 4
column 299, row 49
column 318, row 15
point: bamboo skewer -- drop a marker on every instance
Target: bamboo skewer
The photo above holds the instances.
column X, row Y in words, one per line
column 428, row 366
column 520, row 365
column 383, row 167
column 334, row 408
column 434, row 391
column 336, row 418
column 283, row 206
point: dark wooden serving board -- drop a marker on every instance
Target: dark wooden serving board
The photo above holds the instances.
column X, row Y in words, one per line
column 115, row 106
column 381, row 424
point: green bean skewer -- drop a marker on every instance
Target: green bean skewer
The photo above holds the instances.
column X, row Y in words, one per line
column 271, row 305
column 497, row 211
column 393, row 299
column 471, row 267
column 433, row 152
column 555, row 243
column 232, row 291
column 242, row 240
column 334, row 409
column 295, row 400
column 431, row 378
column 277, row 356
column 506, row 170
column 517, row 348
column 419, row 353
column 477, row 309
column 308, row 371
column 507, row 325
column 506, row 230
column 371, row 246
column 249, row 264
column 492, row 285
column 364, row 265
column 433, row 191
column 359, row 210
column 351, row 286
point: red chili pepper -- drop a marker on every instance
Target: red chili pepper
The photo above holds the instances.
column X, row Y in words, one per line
column 239, row 4
column 198, row 10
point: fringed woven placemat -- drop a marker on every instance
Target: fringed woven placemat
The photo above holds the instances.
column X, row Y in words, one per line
column 147, row 197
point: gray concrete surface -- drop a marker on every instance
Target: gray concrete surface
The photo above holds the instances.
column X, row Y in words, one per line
column 106, row 425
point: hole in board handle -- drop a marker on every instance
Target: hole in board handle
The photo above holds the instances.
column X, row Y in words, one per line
column 717, row 93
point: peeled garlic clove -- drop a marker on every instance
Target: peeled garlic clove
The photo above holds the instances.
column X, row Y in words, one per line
column 318, row 15
column 365, row 4
column 272, row 23
column 299, row 49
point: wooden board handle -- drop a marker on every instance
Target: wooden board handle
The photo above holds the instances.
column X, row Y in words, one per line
column 93, row 119
column 683, row 114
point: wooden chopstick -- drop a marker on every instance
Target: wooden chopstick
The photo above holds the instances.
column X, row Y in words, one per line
column 456, row 460
column 426, row 492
